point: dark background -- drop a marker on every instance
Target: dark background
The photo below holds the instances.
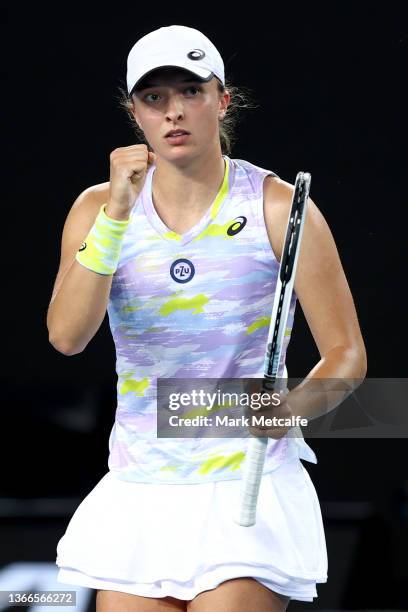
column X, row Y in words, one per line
column 330, row 83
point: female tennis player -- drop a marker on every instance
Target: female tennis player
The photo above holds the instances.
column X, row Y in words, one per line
column 181, row 247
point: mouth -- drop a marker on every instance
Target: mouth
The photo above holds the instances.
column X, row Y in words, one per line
column 176, row 132
column 173, row 133
column 177, row 137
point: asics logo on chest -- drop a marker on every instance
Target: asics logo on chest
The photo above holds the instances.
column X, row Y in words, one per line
column 237, row 226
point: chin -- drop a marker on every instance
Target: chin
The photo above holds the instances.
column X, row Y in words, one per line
column 179, row 155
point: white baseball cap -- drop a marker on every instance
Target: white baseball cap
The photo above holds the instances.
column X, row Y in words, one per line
column 178, row 46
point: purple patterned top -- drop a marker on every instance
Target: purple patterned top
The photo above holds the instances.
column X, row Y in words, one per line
column 190, row 306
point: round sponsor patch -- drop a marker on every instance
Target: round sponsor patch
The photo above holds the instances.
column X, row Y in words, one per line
column 182, row 270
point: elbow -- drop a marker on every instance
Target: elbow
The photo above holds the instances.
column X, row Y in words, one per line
column 357, row 357
column 363, row 364
column 61, row 341
column 359, row 368
column 62, row 345
column 361, row 361
column 350, row 362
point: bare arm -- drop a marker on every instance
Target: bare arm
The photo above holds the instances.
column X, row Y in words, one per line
column 324, row 296
column 79, row 299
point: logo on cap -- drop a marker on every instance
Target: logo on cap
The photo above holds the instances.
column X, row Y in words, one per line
column 196, row 54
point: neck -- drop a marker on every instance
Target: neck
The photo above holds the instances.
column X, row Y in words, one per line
column 192, row 186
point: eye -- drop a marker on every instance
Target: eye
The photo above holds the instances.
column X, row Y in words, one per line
column 194, row 89
column 151, row 99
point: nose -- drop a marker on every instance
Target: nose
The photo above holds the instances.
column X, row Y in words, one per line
column 175, row 108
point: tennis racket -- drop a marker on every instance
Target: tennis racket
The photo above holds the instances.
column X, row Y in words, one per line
column 255, row 457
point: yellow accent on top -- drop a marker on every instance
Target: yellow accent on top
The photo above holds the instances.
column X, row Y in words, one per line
column 261, row 322
column 136, row 386
column 196, row 303
column 172, row 236
column 221, row 194
column 214, row 229
column 131, row 308
column 221, row 461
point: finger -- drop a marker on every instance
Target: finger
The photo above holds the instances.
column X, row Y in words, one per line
column 255, row 386
column 138, row 147
column 267, row 433
column 257, row 432
column 123, row 156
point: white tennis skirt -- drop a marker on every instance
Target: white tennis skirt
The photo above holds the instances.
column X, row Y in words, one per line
column 159, row 540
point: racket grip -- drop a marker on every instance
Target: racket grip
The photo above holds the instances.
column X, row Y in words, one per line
column 251, row 480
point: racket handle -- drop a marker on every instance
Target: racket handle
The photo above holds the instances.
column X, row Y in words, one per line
column 251, row 480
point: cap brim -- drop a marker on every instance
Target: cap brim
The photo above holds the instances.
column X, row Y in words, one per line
column 202, row 74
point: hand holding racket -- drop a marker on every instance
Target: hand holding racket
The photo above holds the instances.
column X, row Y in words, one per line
column 255, row 457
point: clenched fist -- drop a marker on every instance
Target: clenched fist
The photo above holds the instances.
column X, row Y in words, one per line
column 128, row 169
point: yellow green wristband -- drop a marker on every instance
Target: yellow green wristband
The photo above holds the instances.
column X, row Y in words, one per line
column 100, row 250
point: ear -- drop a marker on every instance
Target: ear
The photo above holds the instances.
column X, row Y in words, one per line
column 225, row 99
column 135, row 113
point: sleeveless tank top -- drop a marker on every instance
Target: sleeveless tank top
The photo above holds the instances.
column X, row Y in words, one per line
column 190, row 306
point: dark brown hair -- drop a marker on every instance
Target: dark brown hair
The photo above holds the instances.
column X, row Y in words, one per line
column 241, row 98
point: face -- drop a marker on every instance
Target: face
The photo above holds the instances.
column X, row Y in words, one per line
column 174, row 99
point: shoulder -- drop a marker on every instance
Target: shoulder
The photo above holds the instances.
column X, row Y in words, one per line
column 83, row 212
column 251, row 168
column 86, row 206
column 92, row 196
column 278, row 195
column 248, row 177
